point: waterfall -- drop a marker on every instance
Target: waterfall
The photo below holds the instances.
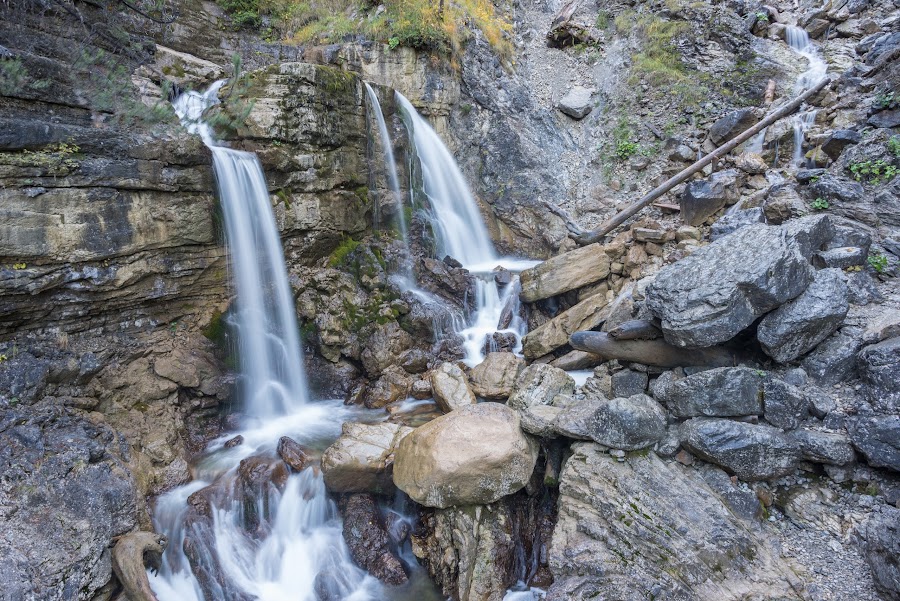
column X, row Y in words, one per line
column 798, row 40
column 460, row 233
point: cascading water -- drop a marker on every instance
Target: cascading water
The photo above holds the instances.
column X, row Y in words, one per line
column 460, row 232
column 296, row 550
column 798, row 39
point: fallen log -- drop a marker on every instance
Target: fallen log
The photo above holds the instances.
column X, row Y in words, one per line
column 658, row 353
column 716, row 155
column 636, row 329
column 131, row 556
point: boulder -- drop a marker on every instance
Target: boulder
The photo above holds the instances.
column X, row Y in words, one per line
column 841, row 258
column 629, row 423
column 732, row 124
column 495, row 377
column 576, row 103
column 586, row 315
column 878, row 439
column 880, row 545
column 721, row 392
column 540, row 420
column 708, row 297
column 751, row 452
column 735, row 220
column 362, row 458
column 564, row 272
column 627, row 382
column 784, row 406
column 368, row 540
column 838, row 141
column 798, row 326
column 879, row 368
column 835, row 359
column 539, row 384
column 450, row 387
column 471, row 456
column 384, row 347
column 642, row 528
column 293, row 453
column 752, row 163
column 782, row 203
column 824, row 447
column 393, row 385
column 700, row 200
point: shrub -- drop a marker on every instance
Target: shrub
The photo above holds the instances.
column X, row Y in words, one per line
column 878, row 262
column 820, row 204
column 873, row 172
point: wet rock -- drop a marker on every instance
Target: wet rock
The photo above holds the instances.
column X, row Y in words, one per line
column 474, row 455
column 384, row 347
column 731, row 125
column 733, row 221
column 629, row 424
column 721, row 392
column 414, row 361
column 626, row 383
column 576, row 103
column 711, row 295
column 824, row 447
column 878, row 439
column 362, row 458
column 751, row 452
column 565, row 272
column 496, row 376
column 368, row 540
column 606, row 509
column 450, row 387
column 293, row 453
column 539, row 384
column 880, row 544
column 800, row 325
column 879, row 368
column 838, row 141
column 256, row 478
column 234, row 442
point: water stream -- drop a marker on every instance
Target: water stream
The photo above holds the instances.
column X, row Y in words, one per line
column 798, row 39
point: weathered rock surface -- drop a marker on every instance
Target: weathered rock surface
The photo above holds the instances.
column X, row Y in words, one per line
column 362, row 459
column 878, row 439
column 496, row 376
column 368, row 540
column 751, row 452
column 471, row 456
column 824, row 447
column 721, row 392
column 880, row 543
column 549, row 336
column 798, row 326
column 629, row 423
column 451, row 387
column 539, row 384
column 711, row 295
column 565, row 272
column 879, row 368
column 731, row 125
column 576, row 103
column 643, row 528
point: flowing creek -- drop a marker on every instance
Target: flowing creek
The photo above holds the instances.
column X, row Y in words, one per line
column 798, row 40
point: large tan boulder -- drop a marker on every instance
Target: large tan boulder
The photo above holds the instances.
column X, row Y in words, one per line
column 450, row 387
column 361, row 459
column 495, row 377
column 471, row 456
column 539, row 384
column 564, row 272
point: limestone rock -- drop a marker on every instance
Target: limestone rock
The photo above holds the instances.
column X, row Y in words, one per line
column 539, row 384
column 384, row 347
column 879, row 367
column 699, row 550
column 549, row 336
column 576, row 103
column 362, row 458
column 750, row 452
column 368, row 539
column 708, row 297
column 880, row 544
column 878, row 438
column 824, row 447
column 800, row 325
column 565, row 272
column 471, row 456
column 540, row 420
column 839, row 140
column 451, row 387
column 629, row 423
column 495, row 377
column 720, row 392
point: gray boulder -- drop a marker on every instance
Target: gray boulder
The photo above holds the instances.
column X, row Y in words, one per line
column 539, row 384
column 784, row 406
column 839, row 140
column 362, row 458
column 878, row 438
column 732, row 124
column 751, row 452
column 798, row 326
column 824, row 447
column 576, row 103
column 629, row 423
column 733, row 221
column 708, row 297
column 880, row 544
column 702, row 198
column 879, row 368
column 835, row 359
column 720, row 392
column 627, row 382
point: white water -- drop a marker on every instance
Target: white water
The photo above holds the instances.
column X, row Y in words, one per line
column 299, row 537
column 460, row 233
column 798, row 40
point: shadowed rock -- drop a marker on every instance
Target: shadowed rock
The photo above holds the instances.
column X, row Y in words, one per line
column 651, row 352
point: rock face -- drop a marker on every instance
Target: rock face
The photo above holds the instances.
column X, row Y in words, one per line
column 880, row 537
column 711, row 295
column 721, row 392
column 368, row 540
column 824, row 447
column 565, row 272
column 451, row 387
column 643, row 528
column 495, row 377
column 362, row 459
column 878, row 439
column 879, row 367
column 68, row 480
column 539, row 384
column 798, row 326
column 547, row 337
column 750, row 452
column 471, row 456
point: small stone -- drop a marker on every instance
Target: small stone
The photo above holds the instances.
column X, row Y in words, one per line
column 576, row 103
column 684, row 457
column 233, row 442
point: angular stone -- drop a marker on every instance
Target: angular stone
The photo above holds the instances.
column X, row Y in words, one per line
column 878, row 438
column 885, row 119
column 450, row 387
column 782, row 203
column 576, row 103
column 732, row 124
column 784, row 406
column 586, row 315
column 539, row 420
column 626, row 383
column 629, row 424
column 751, row 452
column 880, row 544
column 824, row 447
column 839, row 140
column 752, row 163
column 720, row 392
column 362, row 458
column 539, row 384
column 601, row 549
column 879, row 368
column 293, row 453
column 708, row 297
column 700, row 200
column 800, row 325
column 471, row 456
column 735, row 220
column 368, row 540
column 643, row 234
column 495, row 377
column 565, row 272
column 841, row 258
column 835, row 359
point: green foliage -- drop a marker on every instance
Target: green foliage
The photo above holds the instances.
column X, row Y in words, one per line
column 894, row 145
column 761, row 16
column 659, row 60
column 878, row 262
column 347, row 246
column 625, row 149
column 885, row 99
column 393, row 42
column 54, row 159
column 873, row 172
column 820, row 204
column 603, row 19
column 623, row 137
column 244, row 14
column 14, row 78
